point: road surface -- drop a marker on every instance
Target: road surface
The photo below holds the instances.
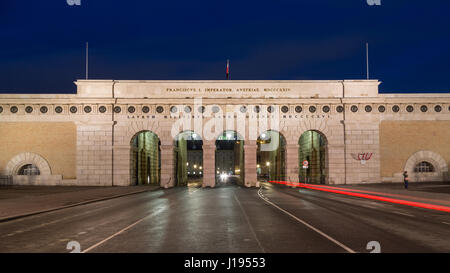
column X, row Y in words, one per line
column 231, row 219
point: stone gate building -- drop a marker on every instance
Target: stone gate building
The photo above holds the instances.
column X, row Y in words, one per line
column 123, row 133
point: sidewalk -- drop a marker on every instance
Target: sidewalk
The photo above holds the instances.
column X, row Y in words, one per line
column 20, row 201
column 432, row 193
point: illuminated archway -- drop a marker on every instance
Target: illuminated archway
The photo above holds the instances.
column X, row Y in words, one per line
column 314, row 149
column 271, row 156
column 229, row 158
column 188, row 154
column 145, row 159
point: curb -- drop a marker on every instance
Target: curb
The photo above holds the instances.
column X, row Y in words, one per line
column 15, row 217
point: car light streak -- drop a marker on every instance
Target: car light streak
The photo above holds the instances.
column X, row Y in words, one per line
column 383, row 194
column 367, row 196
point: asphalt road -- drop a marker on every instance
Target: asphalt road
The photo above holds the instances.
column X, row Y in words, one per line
column 231, row 219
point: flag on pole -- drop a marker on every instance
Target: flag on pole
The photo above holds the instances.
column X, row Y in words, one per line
column 228, row 69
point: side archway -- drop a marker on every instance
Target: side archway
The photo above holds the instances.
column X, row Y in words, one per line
column 145, row 158
column 271, row 156
column 313, row 148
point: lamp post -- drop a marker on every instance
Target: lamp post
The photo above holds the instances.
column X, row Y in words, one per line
column 268, row 166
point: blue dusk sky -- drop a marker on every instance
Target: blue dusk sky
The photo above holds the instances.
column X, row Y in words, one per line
column 42, row 47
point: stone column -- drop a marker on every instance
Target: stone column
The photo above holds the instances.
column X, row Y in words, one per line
column 250, row 165
column 167, row 166
column 292, row 164
column 209, row 165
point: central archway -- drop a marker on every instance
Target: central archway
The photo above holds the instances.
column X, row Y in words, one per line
column 271, row 156
column 229, row 158
column 314, row 149
column 188, row 152
column 145, row 159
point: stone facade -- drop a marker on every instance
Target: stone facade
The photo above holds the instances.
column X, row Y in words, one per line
column 369, row 137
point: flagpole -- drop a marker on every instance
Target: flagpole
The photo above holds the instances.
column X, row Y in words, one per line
column 87, row 60
column 367, row 59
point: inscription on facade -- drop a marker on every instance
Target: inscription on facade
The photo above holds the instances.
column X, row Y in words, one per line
column 231, row 90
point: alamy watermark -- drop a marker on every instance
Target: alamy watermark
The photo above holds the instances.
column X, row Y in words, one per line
column 374, row 2
column 74, row 246
column 374, row 246
column 73, row 2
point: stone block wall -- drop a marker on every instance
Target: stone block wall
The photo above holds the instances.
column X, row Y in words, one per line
column 362, row 141
column 94, row 154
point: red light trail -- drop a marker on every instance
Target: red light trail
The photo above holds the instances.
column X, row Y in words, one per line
column 363, row 195
column 385, row 194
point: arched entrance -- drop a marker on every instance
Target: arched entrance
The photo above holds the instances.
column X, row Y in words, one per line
column 229, row 158
column 313, row 148
column 271, row 156
column 188, row 154
column 145, row 159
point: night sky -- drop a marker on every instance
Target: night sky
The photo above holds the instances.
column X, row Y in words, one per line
column 42, row 43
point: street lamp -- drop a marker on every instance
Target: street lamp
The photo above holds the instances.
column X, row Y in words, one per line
column 268, row 166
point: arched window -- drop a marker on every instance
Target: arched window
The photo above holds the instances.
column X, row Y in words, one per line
column 29, row 169
column 424, row 167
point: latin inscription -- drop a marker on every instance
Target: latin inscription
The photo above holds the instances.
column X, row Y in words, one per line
column 227, row 90
column 247, row 116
